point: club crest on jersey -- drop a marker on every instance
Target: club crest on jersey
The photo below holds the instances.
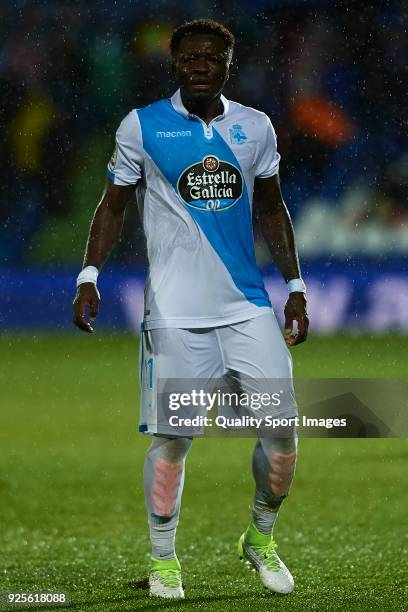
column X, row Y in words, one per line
column 237, row 134
column 211, row 163
column 210, row 185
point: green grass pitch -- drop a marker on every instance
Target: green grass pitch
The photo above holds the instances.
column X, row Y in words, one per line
column 72, row 514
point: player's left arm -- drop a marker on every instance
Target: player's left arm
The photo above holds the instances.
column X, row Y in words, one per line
column 277, row 229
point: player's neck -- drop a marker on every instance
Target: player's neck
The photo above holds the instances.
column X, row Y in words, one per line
column 206, row 111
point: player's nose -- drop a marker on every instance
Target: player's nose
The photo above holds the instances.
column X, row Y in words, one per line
column 200, row 66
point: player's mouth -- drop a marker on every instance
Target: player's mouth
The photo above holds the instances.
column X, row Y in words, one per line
column 201, row 86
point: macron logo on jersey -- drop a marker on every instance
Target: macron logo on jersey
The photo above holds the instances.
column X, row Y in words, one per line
column 174, row 134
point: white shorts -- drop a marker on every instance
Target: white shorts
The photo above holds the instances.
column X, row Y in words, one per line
column 251, row 354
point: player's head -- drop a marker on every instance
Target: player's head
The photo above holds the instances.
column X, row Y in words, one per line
column 202, row 52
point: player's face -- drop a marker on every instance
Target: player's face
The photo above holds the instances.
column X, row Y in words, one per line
column 202, row 66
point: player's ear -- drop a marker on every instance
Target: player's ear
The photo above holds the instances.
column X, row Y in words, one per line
column 231, row 69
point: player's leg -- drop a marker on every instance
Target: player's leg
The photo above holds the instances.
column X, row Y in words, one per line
column 273, row 468
column 257, row 361
column 163, row 484
column 168, row 355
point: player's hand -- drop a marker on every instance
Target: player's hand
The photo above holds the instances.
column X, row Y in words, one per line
column 295, row 310
column 87, row 298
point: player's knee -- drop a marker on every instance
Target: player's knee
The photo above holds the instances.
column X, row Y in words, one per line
column 177, row 448
column 282, row 471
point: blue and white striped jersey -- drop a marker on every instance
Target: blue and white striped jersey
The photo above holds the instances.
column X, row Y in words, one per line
column 194, row 190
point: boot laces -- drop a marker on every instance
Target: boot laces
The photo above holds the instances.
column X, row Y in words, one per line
column 270, row 556
column 170, row 578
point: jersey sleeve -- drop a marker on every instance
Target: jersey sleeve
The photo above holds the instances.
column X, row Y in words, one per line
column 126, row 163
column 267, row 163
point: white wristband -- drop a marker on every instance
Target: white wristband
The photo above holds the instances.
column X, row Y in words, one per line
column 296, row 284
column 87, row 275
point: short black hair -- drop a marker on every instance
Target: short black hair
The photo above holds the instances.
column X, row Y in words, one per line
column 202, row 26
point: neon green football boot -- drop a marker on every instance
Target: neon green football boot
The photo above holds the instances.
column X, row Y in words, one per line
column 260, row 551
column 165, row 579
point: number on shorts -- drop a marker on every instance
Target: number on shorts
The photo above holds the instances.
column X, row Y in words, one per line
column 149, row 372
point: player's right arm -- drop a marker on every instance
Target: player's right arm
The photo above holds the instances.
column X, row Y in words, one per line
column 125, row 169
column 105, row 231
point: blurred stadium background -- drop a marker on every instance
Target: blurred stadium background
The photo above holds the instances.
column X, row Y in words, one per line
column 330, row 75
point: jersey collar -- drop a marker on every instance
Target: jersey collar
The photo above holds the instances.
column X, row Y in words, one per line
column 179, row 107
